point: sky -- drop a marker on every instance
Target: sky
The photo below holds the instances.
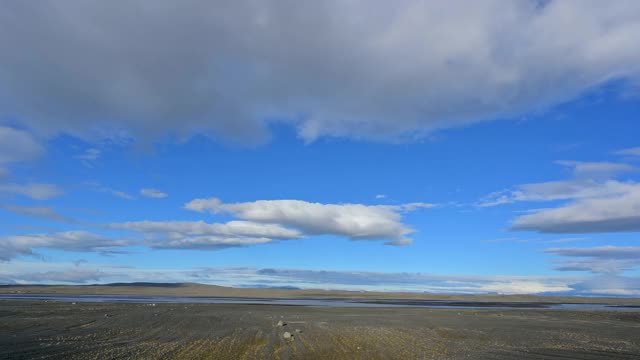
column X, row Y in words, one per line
column 423, row 146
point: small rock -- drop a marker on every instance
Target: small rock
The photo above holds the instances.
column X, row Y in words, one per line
column 281, row 323
column 298, row 331
column 287, row 335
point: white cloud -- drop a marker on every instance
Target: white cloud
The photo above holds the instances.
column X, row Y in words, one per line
column 602, row 259
column 355, row 221
column 153, row 193
column 381, row 196
column 607, row 212
column 202, row 235
column 635, row 151
column 36, row 191
column 200, row 228
column 558, row 190
column 82, row 241
column 593, row 202
column 361, row 69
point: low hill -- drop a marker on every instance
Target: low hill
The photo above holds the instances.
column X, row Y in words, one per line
column 202, row 290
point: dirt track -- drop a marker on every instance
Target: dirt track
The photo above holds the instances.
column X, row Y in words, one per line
column 51, row 330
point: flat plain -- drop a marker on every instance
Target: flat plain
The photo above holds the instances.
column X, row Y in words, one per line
column 65, row 330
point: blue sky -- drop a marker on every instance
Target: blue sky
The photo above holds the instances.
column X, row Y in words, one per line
column 474, row 165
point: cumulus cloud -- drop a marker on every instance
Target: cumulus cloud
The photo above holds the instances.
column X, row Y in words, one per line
column 362, row 69
column 36, row 191
column 355, row 221
column 262, row 222
column 153, row 193
column 602, row 259
column 81, row 241
column 202, row 235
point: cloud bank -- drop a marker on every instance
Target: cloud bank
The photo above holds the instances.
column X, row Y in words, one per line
column 361, row 69
column 37, row 272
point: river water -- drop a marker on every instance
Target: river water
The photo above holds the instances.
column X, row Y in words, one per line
column 139, row 299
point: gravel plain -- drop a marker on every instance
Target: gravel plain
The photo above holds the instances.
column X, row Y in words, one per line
column 58, row 330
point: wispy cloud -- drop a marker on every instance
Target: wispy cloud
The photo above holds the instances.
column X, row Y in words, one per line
column 566, row 240
column 611, row 213
column 105, row 189
column 89, row 154
column 596, row 170
column 594, row 203
column 635, row 151
column 42, row 212
column 81, row 241
column 36, row 191
column 153, row 193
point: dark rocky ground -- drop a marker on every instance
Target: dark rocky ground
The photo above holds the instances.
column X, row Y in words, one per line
column 49, row 330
